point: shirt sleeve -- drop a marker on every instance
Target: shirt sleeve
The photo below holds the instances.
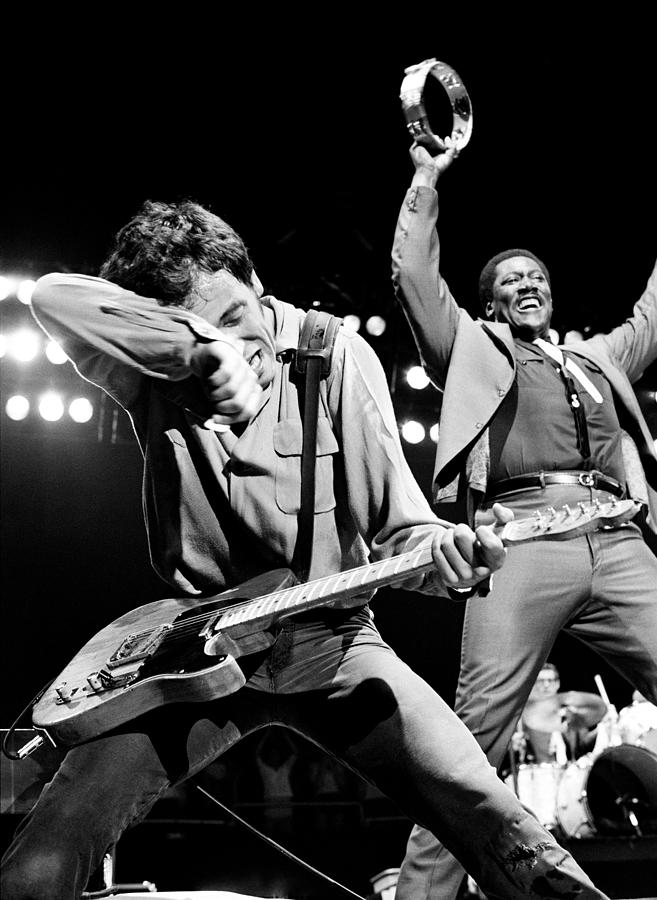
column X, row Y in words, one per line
column 391, row 512
column 430, row 308
column 633, row 345
column 114, row 337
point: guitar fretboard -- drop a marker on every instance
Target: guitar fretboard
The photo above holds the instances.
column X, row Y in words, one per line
column 332, row 588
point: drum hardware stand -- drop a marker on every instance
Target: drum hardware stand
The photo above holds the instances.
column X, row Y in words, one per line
column 111, row 888
column 627, row 803
column 273, row 843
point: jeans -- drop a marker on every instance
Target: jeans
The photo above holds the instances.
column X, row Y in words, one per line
column 601, row 588
column 336, row 682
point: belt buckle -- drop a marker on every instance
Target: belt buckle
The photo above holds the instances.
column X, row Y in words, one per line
column 586, row 479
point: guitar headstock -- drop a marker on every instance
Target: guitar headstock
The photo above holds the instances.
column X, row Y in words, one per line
column 559, row 523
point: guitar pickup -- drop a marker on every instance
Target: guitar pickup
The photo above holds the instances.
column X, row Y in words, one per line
column 137, row 646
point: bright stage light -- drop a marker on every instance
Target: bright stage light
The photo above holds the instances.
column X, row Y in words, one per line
column 24, row 345
column 351, row 322
column 51, row 407
column 17, row 407
column 554, row 336
column 433, row 433
column 413, row 432
column 25, row 290
column 571, row 337
column 7, row 286
column 375, row 326
column 55, row 353
column 80, row 409
column 417, row 378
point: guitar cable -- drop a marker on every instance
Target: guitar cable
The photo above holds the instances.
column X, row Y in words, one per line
column 35, row 742
column 277, row 846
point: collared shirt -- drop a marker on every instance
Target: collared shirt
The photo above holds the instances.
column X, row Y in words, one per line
column 522, row 441
column 222, row 508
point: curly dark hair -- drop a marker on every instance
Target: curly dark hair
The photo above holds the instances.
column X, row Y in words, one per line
column 162, row 249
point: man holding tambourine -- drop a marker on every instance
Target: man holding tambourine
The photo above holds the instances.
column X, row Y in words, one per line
column 529, row 425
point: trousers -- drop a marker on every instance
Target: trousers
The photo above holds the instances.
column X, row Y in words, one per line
column 599, row 587
column 339, row 684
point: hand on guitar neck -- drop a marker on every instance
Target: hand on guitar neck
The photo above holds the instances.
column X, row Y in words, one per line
column 464, row 558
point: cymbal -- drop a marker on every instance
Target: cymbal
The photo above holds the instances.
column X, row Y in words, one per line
column 564, row 711
column 589, row 707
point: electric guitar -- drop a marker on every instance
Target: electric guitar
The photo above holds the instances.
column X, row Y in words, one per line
column 186, row 649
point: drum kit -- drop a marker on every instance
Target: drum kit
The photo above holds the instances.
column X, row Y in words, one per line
column 610, row 790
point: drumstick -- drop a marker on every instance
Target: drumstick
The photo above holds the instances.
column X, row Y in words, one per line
column 601, row 690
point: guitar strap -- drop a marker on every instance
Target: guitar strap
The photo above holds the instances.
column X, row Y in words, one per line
column 313, row 359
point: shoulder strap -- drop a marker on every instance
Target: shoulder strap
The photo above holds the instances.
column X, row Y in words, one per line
column 313, row 359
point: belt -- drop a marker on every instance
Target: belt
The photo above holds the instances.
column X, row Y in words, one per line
column 541, row 479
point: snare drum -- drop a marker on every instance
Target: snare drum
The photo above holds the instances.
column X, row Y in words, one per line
column 614, row 793
column 537, row 790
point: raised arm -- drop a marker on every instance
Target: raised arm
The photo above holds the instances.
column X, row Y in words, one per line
column 425, row 297
column 633, row 345
column 116, row 338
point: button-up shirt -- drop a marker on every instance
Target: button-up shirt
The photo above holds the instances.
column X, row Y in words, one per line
column 222, row 507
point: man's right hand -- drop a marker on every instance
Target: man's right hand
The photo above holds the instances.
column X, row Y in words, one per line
column 230, row 384
column 429, row 168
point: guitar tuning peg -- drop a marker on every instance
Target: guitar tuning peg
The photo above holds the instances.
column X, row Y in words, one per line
column 552, row 511
column 569, row 511
column 596, row 503
column 582, row 507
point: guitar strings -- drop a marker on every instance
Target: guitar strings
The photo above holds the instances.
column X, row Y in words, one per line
column 192, row 623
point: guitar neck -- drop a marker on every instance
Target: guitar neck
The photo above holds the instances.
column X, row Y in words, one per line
column 332, row 588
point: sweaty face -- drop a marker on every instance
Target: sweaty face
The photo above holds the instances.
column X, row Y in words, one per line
column 235, row 308
column 522, row 297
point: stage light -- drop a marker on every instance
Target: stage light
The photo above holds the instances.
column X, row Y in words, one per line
column 433, row 433
column 351, row 322
column 80, row 409
column 51, row 407
column 554, row 336
column 413, row 432
column 572, row 337
column 417, row 378
column 7, row 286
column 55, row 353
column 25, row 290
column 17, row 407
column 24, row 345
column 375, row 326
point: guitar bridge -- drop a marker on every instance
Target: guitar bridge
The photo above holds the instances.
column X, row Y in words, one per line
column 137, row 646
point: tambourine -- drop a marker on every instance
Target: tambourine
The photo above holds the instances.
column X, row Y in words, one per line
column 411, row 95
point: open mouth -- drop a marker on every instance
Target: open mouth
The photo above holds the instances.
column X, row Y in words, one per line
column 529, row 303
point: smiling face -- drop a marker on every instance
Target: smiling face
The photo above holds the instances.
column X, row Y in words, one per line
column 235, row 308
column 521, row 297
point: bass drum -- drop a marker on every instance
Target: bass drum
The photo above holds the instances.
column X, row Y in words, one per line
column 613, row 794
column 537, row 790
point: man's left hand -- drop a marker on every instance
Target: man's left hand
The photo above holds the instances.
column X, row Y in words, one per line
column 464, row 557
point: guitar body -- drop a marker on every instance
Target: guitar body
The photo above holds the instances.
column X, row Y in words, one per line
column 83, row 703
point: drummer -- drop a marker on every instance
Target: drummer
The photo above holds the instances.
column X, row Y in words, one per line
column 556, row 727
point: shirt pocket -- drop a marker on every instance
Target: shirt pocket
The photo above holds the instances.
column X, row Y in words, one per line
column 288, row 444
